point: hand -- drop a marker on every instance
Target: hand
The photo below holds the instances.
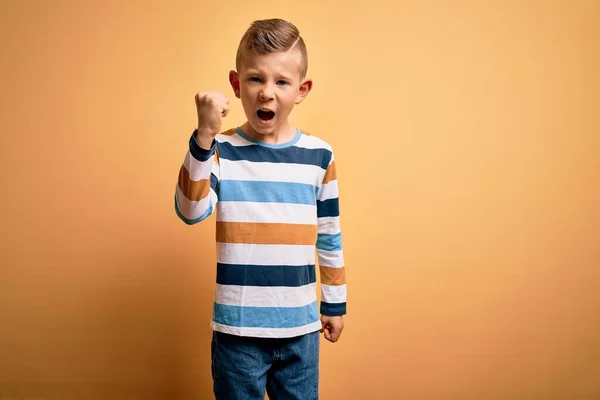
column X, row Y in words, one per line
column 332, row 326
column 212, row 107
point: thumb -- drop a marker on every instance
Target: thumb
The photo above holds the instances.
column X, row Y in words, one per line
column 225, row 110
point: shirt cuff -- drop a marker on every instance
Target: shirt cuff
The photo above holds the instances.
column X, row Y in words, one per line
column 333, row 309
column 198, row 152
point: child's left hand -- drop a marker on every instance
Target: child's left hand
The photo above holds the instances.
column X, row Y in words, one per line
column 332, row 326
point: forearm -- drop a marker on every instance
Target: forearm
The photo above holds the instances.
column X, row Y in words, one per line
column 333, row 282
column 329, row 247
column 198, row 177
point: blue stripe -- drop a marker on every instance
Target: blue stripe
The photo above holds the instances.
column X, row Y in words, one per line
column 266, row 317
column 196, row 220
column 333, row 309
column 265, row 275
column 267, row 192
column 328, row 208
column 290, row 155
column 329, row 242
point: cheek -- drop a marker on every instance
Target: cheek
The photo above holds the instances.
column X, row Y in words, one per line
column 247, row 92
column 290, row 100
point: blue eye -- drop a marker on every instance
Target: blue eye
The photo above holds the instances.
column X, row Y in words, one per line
column 254, row 79
column 283, row 83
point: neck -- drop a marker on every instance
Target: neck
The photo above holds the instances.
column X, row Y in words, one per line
column 283, row 134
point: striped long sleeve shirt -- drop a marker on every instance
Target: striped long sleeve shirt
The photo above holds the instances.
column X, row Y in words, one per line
column 277, row 210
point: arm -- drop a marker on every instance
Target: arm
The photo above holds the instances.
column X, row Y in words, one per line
column 196, row 191
column 330, row 255
column 197, row 186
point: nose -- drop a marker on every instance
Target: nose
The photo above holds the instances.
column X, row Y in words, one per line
column 266, row 93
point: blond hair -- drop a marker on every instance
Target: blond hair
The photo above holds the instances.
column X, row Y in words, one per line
column 271, row 36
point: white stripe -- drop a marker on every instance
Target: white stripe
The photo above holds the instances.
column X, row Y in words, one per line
column 328, row 191
column 216, row 170
column 265, row 254
column 331, row 259
column 234, row 140
column 329, row 225
column 197, row 169
column 272, row 172
column 213, row 197
column 333, row 294
column 191, row 209
column 268, row 332
column 265, row 296
column 312, row 142
column 285, row 213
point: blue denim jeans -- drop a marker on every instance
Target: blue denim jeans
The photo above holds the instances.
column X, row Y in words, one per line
column 242, row 367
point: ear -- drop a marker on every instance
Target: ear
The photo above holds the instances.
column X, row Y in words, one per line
column 303, row 90
column 234, row 79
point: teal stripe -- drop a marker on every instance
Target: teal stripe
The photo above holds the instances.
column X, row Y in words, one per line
column 289, row 155
column 266, row 317
column 329, row 242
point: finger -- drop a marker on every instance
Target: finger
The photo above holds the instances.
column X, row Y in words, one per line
column 221, row 97
column 224, row 110
column 332, row 334
column 335, row 336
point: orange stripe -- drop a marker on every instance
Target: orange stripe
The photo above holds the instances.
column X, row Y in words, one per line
column 192, row 190
column 266, row 233
column 330, row 174
column 333, row 276
column 228, row 132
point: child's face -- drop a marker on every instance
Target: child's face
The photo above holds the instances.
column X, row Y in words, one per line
column 269, row 87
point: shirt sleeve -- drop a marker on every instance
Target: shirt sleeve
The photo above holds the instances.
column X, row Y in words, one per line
column 329, row 245
column 197, row 186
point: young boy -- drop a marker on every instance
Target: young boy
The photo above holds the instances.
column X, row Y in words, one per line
column 275, row 192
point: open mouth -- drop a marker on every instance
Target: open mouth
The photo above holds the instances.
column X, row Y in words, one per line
column 265, row 115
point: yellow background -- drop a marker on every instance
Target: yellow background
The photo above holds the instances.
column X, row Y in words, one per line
column 467, row 141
